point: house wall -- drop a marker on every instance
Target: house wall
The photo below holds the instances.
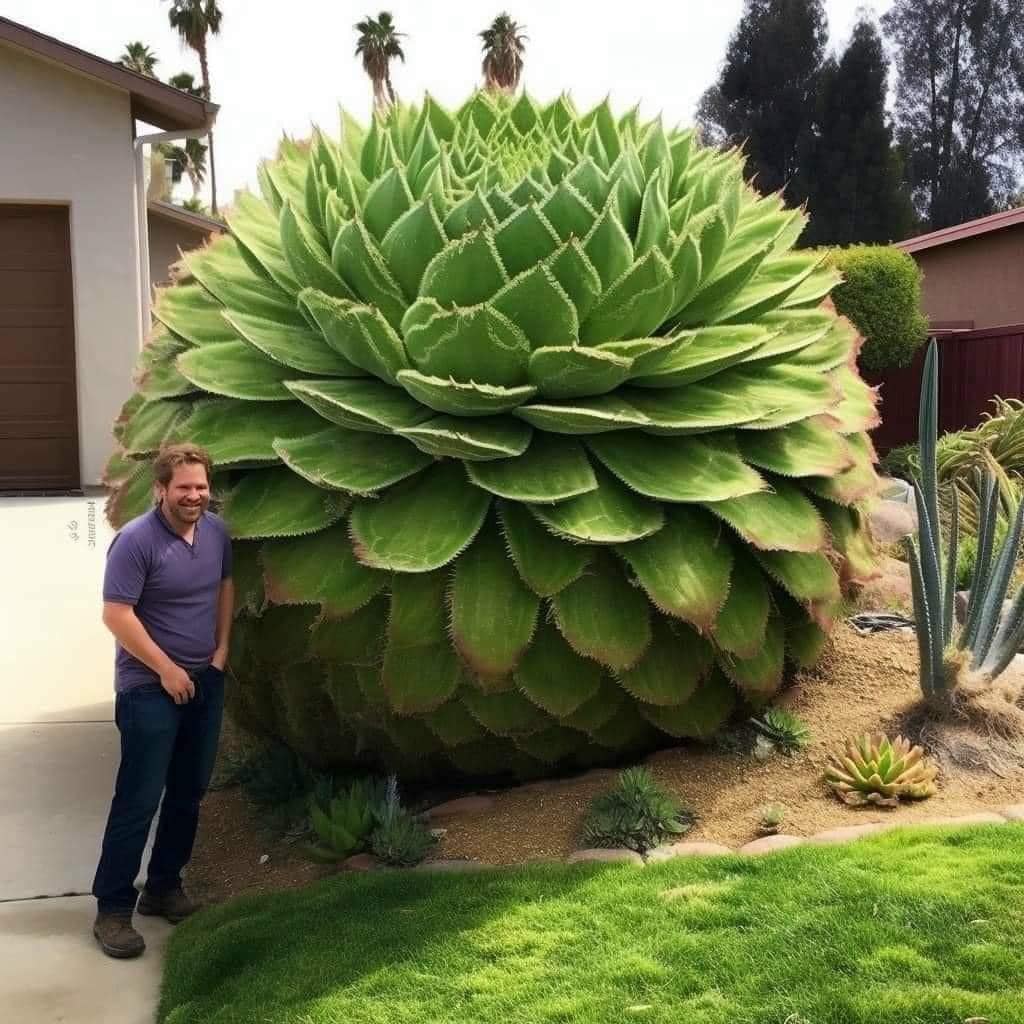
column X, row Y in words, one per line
column 67, row 139
column 165, row 239
column 979, row 279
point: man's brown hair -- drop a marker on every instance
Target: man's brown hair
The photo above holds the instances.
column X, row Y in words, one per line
column 173, row 455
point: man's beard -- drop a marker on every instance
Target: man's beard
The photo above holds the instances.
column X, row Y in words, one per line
column 185, row 515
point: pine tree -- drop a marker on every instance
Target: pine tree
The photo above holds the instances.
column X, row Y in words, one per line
column 855, row 176
column 765, row 94
column 959, row 103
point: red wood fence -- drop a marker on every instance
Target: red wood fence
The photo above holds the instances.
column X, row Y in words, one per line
column 974, row 368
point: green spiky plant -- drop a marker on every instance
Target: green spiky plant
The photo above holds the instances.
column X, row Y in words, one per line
column 989, row 640
column 877, row 770
column 539, row 442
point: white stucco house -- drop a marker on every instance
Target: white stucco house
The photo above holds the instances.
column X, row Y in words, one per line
column 75, row 268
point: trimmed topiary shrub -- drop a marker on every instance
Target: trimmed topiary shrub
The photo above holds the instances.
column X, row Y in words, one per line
column 881, row 294
column 537, row 439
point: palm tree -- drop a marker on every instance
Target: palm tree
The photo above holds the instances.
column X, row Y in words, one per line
column 503, row 48
column 138, row 57
column 378, row 45
column 194, row 20
column 189, row 159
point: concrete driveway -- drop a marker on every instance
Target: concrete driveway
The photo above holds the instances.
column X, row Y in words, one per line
column 58, row 756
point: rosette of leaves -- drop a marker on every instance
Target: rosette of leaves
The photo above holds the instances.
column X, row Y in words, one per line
column 875, row 770
column 539, row 440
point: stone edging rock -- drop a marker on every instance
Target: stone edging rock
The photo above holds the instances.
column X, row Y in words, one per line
column 769, row 844
column 766, row 844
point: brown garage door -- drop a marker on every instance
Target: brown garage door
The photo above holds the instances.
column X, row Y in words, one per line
column 38, row 414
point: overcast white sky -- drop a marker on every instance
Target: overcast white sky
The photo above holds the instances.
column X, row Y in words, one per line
column 278, row 67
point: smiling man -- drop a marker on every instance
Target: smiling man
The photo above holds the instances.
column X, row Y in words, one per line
column 168, row 599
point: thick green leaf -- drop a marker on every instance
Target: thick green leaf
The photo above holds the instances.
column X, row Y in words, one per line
column 785, row 393
column 256, row 226
column 477, row 344
column 857, row 409
column 309, row 260
column 152, row 424
column 741, row 623
column 570, row 371
column 357, row 259
column 352, row 461
column 569, row 212
column 577, row 275
column 834, row 348
column 782, row 519
column 760, row 675
column 277, row 503
column 361, row 404
column 593, row 415
column 807, row 448
column 776, row 279
column 357, row 639
column 463, row 398
column 807, row 576
column 539, row 306
column 525, row 239
column 459, row 437
column 554, row 677
column 192, row 313
column 551, row 745
column 674, row 663
column 247, row 576
column 417, row 615
column 421, row 524
column 551, row 469
column 454, row 725
column 603, row 709
column 684, row 568
column 466, row 272
column 411, row 243
column 604, row 617
column 319, row 569
column 290, row 345
column 546, row 563
column 610, row 514
column 635, row 305
column 222, row 271
column 386, row 200
column 609, row 246
column 702, row 354
column 493, row 614
column 359, row 333
column 506, row 714
column 420, row 679
column 235, row 369
column 677, row 468
column 701, row 716
column 239, row 433
column 132, row 497
column 791, row 333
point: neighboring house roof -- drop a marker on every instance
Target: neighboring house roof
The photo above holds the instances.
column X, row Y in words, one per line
column 178, row 214
column 958, row 232
column 152, row 101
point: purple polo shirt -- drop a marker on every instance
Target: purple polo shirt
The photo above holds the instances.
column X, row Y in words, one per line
column 174, row 587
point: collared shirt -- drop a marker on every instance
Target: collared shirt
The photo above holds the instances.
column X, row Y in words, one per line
column 174, row 587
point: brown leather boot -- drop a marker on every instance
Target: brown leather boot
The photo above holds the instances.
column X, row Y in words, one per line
column 173, row 906
column 117, row 937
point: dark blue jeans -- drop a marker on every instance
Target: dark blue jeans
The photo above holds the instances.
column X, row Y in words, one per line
column 168, row 749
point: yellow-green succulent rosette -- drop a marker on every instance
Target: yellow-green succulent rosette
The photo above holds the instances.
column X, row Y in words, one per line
column 539, row 441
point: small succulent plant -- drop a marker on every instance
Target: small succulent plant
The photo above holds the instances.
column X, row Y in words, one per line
column 875, row 770
column 782, row 730
column 771, row 819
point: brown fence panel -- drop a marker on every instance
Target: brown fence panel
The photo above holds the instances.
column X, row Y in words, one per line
column 974, row 368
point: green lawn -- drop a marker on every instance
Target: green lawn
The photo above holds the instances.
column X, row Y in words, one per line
column 920, row 927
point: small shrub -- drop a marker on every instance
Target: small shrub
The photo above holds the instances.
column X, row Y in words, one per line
column 784, row 731
column 399, row 838
column 771, row 819
column 881, row 295
column 638, row 814
column 875, row 770
column 342, row 822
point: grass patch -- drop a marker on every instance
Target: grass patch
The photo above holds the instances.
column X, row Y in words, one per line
column 920, row 927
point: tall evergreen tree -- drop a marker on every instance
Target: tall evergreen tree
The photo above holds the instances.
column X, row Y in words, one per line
column 765, row 93
column 854, row 175
column 959, row 103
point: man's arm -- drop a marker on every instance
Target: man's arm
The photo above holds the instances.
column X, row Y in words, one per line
column 130, row 633
column 225, row 613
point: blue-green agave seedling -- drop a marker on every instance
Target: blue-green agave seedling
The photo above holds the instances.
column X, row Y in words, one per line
column 538, row 438
column 988, row 641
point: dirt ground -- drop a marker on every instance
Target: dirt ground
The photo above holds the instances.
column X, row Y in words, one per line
column 862, row 684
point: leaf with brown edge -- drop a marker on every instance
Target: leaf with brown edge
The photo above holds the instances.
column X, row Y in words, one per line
column 554, row 676
column 671, row 667
column 782, row 519
column 701, row 716
column 759, row 676
column 741, row 622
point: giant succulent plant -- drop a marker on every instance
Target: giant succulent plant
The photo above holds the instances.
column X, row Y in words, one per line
column 539, row 440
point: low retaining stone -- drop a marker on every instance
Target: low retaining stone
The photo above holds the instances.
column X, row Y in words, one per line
column 848, row 833
column 687, row 850
column 768, row 844
column 605, row 856
column 452, row 865
column 1014, row 813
